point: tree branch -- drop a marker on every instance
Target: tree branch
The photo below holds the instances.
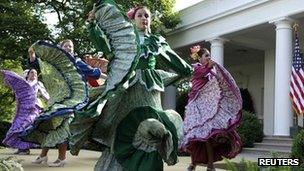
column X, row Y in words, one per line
column 55, row 9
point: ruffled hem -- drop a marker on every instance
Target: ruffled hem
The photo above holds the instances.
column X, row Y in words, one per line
column 224, row 143
column 47, row 138
column 58, row 136
column 124, row 41
column 133, row 158
column 13, row 141
column 75, row 95
column 12, row 138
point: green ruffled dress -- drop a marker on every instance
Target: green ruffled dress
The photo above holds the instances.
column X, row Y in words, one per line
column 68, row 92
column 129, row 118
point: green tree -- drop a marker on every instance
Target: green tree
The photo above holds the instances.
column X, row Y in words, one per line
column 20, row 26
column 72, row 15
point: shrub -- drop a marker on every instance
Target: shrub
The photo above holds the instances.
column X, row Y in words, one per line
column 10, row 164
column 247, row 100
column 247, row 165
column 297, row 150
column 243, row 165
column 4, row 127
column 250, row 129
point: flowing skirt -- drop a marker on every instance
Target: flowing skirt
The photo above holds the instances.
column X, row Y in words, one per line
column 133, row 126
column 212, row 116
column 26, row 112
column 21, row 121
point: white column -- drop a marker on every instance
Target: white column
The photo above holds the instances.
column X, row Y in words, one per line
column 268, row 112
column 217, row 50
column 282, row 105
column 169, row 100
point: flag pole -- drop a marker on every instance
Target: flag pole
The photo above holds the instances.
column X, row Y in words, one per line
column 295, row 114
column 296, row 29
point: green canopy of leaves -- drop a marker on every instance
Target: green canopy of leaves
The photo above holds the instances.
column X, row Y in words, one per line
column 22, row 22
column 19, row 28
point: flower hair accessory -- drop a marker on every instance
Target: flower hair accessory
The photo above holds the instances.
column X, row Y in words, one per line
column 131, row 12
column 194, row 52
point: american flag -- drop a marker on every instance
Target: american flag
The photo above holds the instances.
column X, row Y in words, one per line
column 297, row 80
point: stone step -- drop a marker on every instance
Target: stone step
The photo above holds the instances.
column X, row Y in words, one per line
column 273, row 146
column 266, row 152
column 277, row 140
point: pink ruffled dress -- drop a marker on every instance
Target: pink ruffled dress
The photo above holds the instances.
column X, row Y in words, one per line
column 212, row 114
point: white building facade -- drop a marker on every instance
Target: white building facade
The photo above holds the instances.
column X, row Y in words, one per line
column 253, row 39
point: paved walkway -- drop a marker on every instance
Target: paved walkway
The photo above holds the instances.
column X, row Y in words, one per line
column 85, row 161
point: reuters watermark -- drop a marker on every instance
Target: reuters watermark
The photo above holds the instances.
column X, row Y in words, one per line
column 278, row 162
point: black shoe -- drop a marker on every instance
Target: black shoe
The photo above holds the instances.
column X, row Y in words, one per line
column 191, row 167
column 23, row 152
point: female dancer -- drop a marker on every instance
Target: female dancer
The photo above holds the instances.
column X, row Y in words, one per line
column 129, row 119
column 212, row 113
column 59, row 137
column 27, row 91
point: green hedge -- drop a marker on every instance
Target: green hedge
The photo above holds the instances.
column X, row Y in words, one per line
column 297, row 150
column 250, row 129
